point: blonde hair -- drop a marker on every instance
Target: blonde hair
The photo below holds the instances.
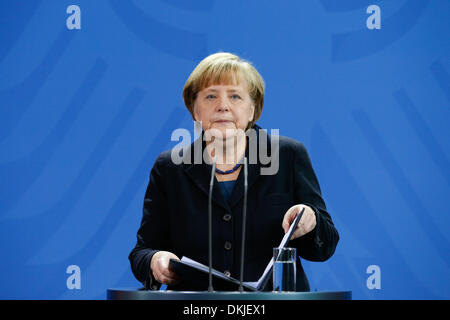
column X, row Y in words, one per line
column 225, row 68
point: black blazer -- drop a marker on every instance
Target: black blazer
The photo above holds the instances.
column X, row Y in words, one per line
column 175, row 215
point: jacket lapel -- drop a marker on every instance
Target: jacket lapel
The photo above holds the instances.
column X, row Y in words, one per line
column 201, row 173
column 254, row 171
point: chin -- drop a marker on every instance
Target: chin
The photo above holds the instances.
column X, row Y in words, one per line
column 227, row 130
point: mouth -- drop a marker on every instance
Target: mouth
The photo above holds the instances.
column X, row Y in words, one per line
column 223, row 121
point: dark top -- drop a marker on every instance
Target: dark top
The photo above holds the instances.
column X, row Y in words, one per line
column 175, row 213
column 226, row 187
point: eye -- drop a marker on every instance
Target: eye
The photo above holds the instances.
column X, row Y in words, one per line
column 210, row 96
column 235, row 96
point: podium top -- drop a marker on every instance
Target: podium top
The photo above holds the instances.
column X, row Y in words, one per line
column 135, row 294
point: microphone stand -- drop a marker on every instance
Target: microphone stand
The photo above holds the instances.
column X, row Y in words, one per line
column 210, row 286
column 244, row 218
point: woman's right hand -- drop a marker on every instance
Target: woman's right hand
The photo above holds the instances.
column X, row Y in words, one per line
column 160, row 267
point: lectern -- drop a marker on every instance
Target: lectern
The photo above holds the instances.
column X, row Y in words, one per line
column 135, row 294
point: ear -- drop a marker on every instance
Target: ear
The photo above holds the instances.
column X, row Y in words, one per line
column 195, row 113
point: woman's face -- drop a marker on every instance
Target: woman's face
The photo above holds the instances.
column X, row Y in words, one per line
column 225, row 108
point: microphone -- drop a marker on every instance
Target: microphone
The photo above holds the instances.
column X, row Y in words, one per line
column 244, row 218
column 210, row 286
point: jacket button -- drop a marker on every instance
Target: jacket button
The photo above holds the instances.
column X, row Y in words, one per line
column 227, row 273
column 226, row 217
column 319, row 242
column 227, row 245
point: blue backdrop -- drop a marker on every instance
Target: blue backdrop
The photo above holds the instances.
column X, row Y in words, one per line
column 89, row 96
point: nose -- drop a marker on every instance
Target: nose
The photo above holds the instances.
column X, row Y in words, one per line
column 224, row 104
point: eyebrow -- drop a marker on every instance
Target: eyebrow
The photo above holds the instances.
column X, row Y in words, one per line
column 228, row 90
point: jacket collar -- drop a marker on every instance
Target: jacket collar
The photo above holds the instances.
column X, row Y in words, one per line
column 201, row 173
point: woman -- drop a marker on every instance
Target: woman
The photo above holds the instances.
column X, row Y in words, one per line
column 226, row 94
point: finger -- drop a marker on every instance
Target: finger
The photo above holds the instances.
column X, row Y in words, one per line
column 159, row 272
column 169, row 274
column 307, row 218
column 288, row 218
column 309, row 222
column 306, row 215
column 171, row 279
column 295, row 211
column 285, row 225
column 303, row 228
column 162, row 278
column 165, row 280
column 164, row 264
column 157, row 276
column 166, row 270
column 298, row 232
column 309, row 225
